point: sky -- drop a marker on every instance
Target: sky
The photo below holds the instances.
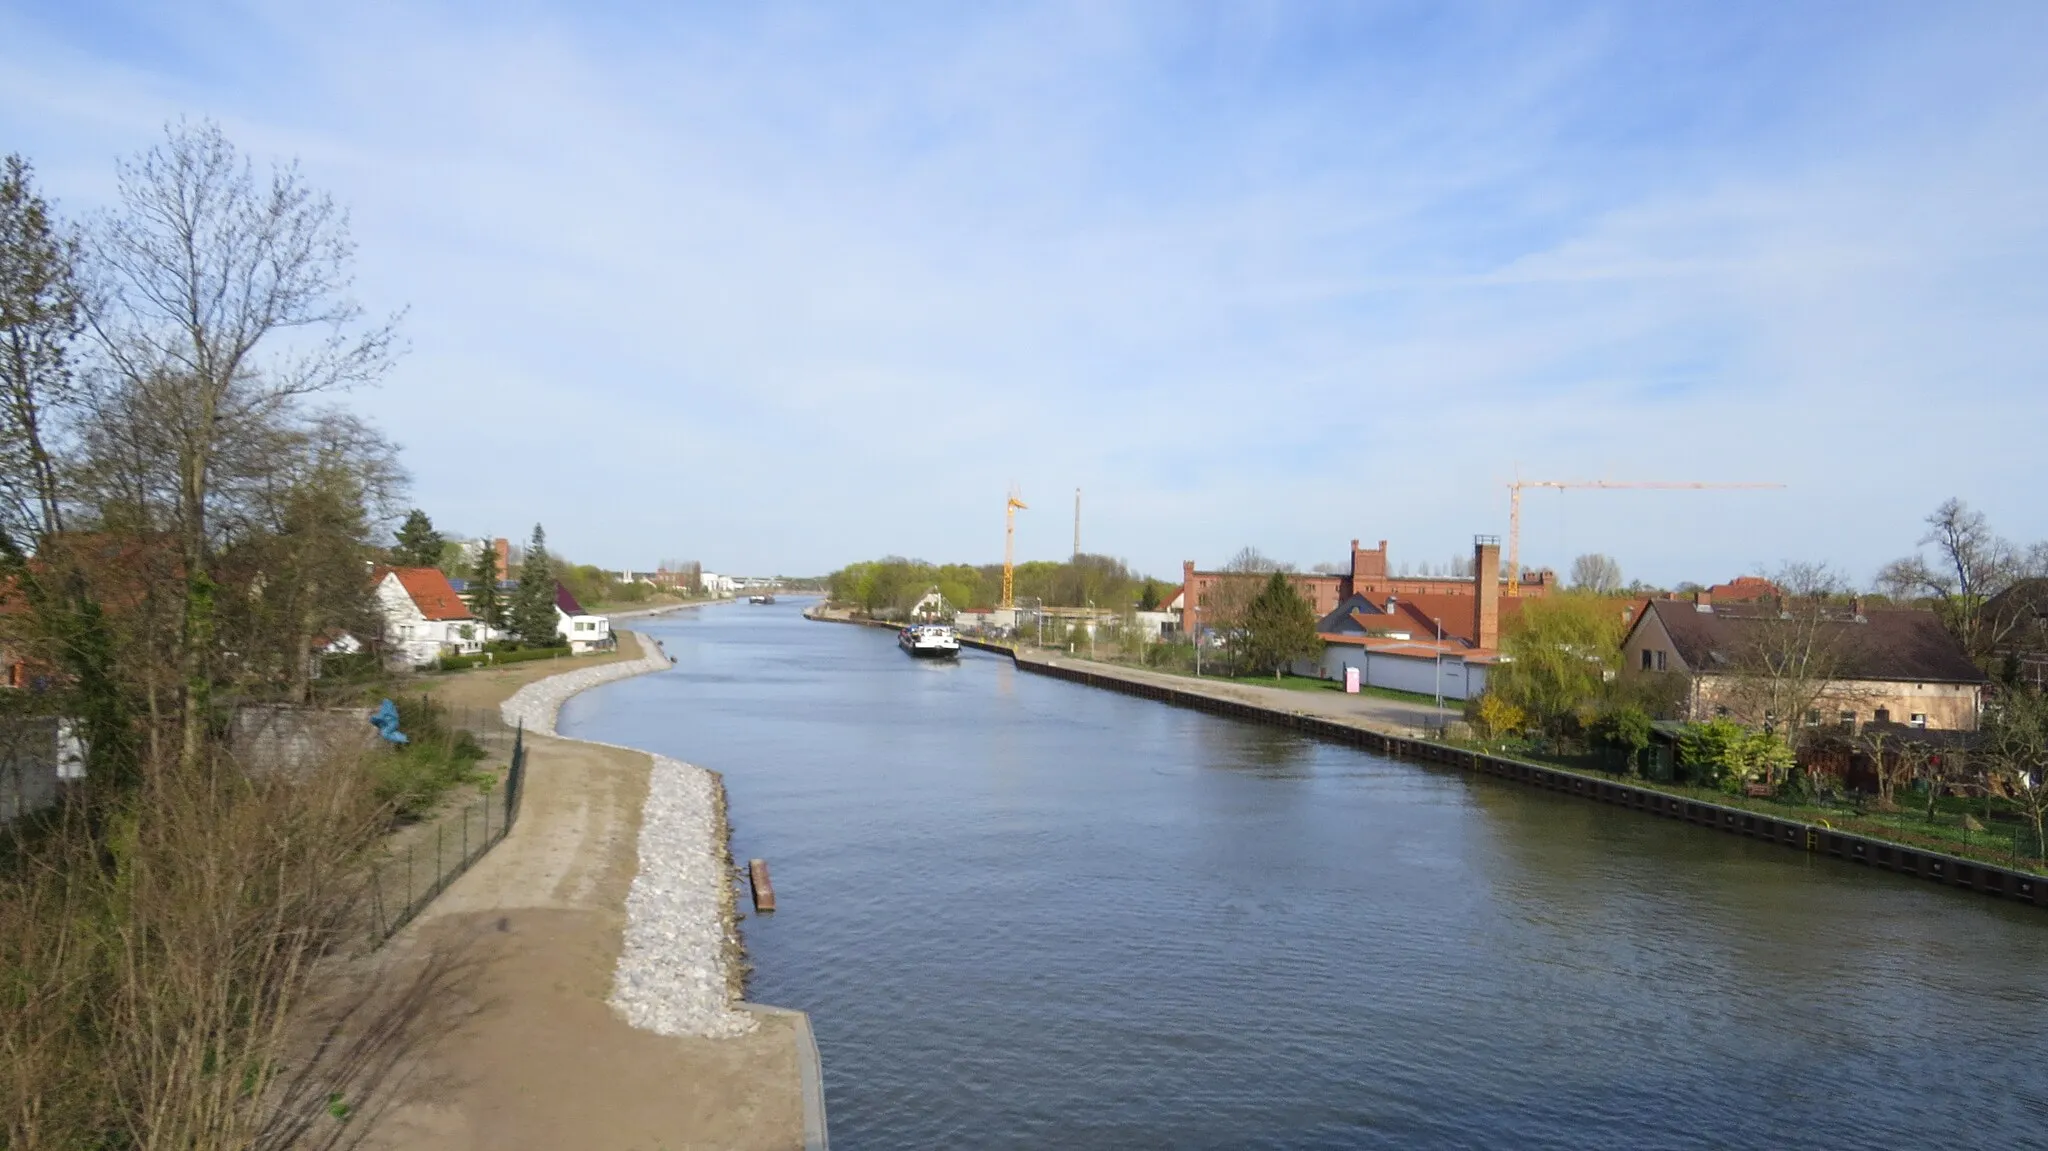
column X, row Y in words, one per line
column 780, row 287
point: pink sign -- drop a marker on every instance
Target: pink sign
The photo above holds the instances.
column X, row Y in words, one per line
column 1351, row 680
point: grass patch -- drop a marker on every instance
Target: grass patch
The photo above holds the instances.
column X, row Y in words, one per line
column 1994, row 841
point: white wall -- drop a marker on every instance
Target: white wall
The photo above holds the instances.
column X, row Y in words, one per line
column 1460, row 680
column 584, row 632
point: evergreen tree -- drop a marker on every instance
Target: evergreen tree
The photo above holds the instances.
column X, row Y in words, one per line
column 1277, row 627
column 484, row 601
column 419, row 545
column 533, row 604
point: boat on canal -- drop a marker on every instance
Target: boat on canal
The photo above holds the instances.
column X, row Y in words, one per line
column 760, row 599
column 929, row 641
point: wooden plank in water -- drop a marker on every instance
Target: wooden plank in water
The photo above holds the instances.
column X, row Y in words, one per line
column 764, row 891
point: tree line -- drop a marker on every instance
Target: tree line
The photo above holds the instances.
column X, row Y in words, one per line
column 895, row 584
column 185, row 517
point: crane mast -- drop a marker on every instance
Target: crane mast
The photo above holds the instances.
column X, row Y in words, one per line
column 1010, row 546
column 1515, row 509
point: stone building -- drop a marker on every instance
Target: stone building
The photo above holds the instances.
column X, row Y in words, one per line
column 1882, row 666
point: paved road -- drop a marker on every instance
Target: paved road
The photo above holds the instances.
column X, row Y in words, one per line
column 1397, row 716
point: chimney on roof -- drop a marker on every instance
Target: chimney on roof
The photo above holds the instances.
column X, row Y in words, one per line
column 1486, row 592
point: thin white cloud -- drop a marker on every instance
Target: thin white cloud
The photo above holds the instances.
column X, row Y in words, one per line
column 1245, row 282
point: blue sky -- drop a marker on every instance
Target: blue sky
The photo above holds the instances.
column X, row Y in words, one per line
column 780, row 287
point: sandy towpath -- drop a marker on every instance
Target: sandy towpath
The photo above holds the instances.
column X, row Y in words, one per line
column 540, row 1060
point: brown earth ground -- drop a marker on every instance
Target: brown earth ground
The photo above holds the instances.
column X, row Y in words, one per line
column 538, row 1060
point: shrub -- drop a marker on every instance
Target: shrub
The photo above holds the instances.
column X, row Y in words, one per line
column 1496, row 718
column 414, row 776
column 1626, row 729
column 1722, row 753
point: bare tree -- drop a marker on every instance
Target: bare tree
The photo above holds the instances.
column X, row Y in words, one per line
column 221, row 303
column 1970, row 565
column 1596, row 573
column 1792, row 652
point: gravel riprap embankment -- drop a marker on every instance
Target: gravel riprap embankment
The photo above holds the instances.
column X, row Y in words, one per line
column 538, row 703
column 672, row 975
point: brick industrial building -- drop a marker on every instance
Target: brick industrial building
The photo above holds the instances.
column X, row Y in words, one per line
column 1453, row 600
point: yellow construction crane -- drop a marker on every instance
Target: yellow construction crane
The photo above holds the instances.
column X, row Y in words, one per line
column 1010, row 545
column 1515, row 509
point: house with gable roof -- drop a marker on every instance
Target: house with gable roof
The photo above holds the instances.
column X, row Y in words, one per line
column 584, row 631
column 424, row 617
column 1884, row 665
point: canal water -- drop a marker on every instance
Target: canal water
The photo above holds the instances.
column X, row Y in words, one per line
column 1025, row 913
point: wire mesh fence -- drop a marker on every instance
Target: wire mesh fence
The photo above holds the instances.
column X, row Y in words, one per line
column 429, row 856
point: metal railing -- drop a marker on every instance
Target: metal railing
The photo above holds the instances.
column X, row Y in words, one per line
column 404, row 884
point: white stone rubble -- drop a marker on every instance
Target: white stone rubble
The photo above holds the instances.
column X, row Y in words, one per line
column 671, row 977
column 538, row 703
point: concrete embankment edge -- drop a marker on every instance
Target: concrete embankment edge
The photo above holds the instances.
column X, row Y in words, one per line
column 810, row 1070
column 537, row 705
column 1939, row 867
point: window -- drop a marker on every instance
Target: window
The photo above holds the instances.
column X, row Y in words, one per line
column 1848, row 719
column 1660, row 659
column 1919, row 719
column 1646, row 659
column 1884, row 715
column 1721, row 710
column 1813, row 717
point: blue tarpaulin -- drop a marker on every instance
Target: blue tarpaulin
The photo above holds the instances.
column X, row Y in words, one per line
column 385, row 720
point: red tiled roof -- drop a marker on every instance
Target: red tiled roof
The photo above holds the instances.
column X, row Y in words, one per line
column 1743, row 588
column 566, row 601
column 1420, row 612
column 430, row 592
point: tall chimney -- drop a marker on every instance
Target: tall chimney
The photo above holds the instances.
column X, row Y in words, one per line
column 1486, row 591
column 1187, row 597
column 503, row 550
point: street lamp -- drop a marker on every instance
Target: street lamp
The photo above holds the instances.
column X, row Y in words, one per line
column 1439, row 674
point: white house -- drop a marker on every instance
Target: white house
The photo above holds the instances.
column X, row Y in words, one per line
column 424, row 618
column 584, row 631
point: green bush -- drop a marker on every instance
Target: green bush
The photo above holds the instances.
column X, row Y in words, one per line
column 1722, row 753
column 413, row 777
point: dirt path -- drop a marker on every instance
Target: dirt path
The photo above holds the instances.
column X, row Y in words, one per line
column 541, row 1061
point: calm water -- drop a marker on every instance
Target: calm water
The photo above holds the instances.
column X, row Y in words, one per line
column 1023, row 913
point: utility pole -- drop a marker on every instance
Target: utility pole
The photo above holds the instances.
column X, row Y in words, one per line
column 1077, row 523
column 1439, row 674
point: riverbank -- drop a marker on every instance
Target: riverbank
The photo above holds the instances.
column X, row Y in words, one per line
column 1379, row 725
column 546, row 1055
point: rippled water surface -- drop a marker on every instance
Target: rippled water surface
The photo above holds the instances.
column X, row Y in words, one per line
column 1025, row 913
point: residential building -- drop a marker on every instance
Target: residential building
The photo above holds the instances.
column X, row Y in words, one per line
column 424, row 617
column 1882, row 666
column 2016, row 622
column 584, row 631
